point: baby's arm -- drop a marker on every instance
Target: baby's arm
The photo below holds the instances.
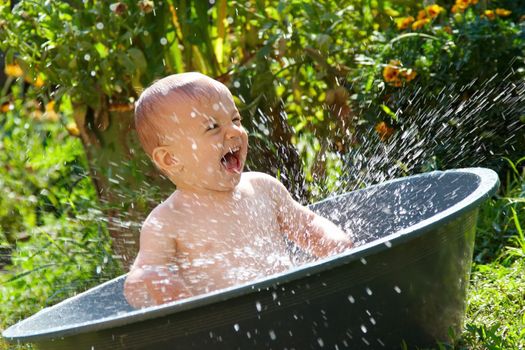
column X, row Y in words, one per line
column 311, row 232
column 154, row 277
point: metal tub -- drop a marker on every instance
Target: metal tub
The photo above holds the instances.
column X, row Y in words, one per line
column 406, row 284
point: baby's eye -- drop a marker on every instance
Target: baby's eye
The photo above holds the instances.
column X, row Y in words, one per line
column 212, row 126
column 237, row 120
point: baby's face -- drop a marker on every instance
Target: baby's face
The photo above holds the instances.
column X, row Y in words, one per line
column 209, row 143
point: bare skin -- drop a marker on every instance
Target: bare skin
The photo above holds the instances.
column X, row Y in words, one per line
column 221, row 227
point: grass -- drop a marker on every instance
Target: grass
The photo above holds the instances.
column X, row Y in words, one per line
column 496, row 307
column 495, row 316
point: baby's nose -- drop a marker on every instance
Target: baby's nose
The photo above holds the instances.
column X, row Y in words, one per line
column 233, row 131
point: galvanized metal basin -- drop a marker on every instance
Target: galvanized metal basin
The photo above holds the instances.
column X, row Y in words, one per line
column 406, row 284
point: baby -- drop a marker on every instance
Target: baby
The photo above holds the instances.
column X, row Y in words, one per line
column 221, row 227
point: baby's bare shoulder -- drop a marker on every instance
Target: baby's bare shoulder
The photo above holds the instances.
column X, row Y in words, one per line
column 265, row 182
column 258, row 179
column 165, row 220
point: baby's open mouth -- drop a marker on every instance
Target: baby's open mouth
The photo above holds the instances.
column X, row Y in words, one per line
column 232, row 160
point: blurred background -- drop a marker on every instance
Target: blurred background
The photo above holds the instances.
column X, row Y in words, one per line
column 335, row 95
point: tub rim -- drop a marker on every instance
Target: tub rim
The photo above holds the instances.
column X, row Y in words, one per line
column 487, row 186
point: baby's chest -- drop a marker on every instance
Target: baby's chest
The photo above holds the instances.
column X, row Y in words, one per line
column 252, row 225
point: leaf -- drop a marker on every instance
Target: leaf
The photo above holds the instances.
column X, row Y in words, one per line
column 174, row 56
column 138, row 59
column 102, row 50
column 126, row 62
column 388, row 111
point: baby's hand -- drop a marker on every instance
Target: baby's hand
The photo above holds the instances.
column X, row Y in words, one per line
column 328, row 238
column 153, row 285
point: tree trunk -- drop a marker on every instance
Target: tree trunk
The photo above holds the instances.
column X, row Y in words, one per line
column 127, row 183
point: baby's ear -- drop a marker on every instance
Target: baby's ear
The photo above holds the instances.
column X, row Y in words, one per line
column 165, row 160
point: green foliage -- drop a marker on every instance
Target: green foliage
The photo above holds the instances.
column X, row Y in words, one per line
column 55, row 240
column 466, row 84
column 496, row 307
column 305, row 73
column 93, row 50
column 500, row 235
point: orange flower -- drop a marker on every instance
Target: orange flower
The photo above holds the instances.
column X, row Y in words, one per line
column 420, row 23
column 13, row 70
column 395, row 75
column 490, row 14
column 391, row 72
column 503, row 12
column 72, row 129
column 39, row 82
column 462, row 5
column 384, row 131
column 50, row 114
column 408, row 74
column 431, row 11
column 434, row 10
column 403, row 22
column 6, row 107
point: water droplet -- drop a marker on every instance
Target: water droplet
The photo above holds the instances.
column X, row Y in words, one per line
column 388, row 244
column 397, row 289
column 87, row 57
column 100, row 25
column 351, row 299
column 93, row 73
column 236, row 327
column 194, row 146
column 163, row 41
column 215, row 107
column 363, row 328
column 368, row 291
column 236, row 84
column 320, row 342
column 258, row 306
column 363, row 261
column 272, row 334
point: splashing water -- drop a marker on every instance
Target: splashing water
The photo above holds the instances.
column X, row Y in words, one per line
column 428, row 136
